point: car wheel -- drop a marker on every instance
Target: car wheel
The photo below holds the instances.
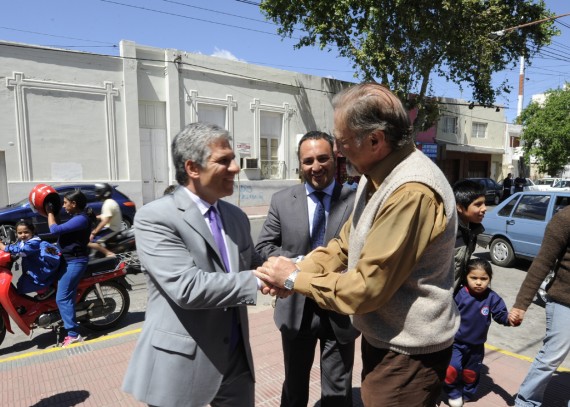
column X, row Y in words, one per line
column 502, row 253
column 126, row 224
column 497, row 199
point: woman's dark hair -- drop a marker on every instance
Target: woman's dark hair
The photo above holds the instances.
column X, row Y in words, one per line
column 27, row 223
column 476, row 263
column 78, row 197
column 81, row 202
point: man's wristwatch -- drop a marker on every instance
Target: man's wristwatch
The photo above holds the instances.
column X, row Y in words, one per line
column 290, row 282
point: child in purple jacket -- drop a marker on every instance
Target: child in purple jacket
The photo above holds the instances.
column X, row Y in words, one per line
column 477, row 304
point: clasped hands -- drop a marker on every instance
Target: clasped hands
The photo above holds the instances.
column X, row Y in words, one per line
column 273, row 274
column 516, row 316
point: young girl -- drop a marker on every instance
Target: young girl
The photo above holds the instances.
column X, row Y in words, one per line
column 477, row 304
column 35, row 277
column 73, row 237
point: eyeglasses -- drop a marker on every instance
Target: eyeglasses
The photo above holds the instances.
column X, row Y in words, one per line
column 321, row 159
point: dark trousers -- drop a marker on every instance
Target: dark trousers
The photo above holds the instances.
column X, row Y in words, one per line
column 464, row 370
column 237, row 388
column 336, row 362
column 390, row 379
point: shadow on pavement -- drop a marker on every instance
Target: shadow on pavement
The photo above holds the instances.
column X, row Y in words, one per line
column 487, row 385
column 67, row 399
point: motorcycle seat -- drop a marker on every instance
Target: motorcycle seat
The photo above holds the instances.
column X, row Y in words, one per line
column 103, row 264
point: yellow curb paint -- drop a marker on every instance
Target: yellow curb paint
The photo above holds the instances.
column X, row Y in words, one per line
column 516, row 355
column 57, row 349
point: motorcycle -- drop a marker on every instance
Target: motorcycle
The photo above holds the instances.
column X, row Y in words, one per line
column 123, row 244
column 102, row 299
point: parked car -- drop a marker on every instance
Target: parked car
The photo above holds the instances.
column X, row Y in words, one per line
column 543, row 184
column 515, row 228
column 12, row 213
column 546, row 181
column 493, row 190
column 561, row 184
column 527, row 186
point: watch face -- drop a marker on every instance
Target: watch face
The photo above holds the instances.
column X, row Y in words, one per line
column 288, row 284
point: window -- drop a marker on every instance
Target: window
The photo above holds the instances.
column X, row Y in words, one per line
column 479, row 130
column 450, row 124
column 271, row 128
column 212, row 114
column 532, row 207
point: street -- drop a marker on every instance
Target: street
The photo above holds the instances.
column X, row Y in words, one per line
column 524, row 340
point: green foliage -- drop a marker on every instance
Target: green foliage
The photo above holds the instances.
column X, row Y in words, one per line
column 546, row 131
column 401, row 43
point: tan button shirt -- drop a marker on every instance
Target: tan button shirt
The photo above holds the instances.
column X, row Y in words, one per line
column 411, row 218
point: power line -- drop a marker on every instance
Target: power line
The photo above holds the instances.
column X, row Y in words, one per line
column 56, row 36
column 253, row 3
column 190, row 18
column 218, row 12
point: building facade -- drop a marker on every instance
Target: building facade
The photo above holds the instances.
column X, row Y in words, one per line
column 75, row 117
column 471, row 141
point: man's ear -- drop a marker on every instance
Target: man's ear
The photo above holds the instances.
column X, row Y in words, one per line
column 376, row 140
column 192, row 169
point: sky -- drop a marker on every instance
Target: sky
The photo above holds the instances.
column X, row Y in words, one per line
column 236, row 29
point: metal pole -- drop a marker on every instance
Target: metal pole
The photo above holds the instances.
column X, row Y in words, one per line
column 521, row 86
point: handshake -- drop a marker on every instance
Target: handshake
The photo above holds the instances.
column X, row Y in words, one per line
column 273, row 274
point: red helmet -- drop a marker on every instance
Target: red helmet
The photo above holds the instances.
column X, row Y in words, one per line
column 42, row 194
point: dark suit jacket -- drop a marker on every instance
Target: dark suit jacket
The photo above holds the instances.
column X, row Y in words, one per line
column 286, row 233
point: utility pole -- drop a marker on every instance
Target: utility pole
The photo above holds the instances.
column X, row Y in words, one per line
column 500, row 33
column 521, row 87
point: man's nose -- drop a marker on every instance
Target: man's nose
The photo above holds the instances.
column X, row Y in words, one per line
column 234, row 167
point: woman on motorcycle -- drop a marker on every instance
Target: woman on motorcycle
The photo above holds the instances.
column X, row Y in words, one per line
column 73, row 237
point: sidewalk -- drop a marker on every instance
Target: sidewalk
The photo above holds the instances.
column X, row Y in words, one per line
column 90, row 374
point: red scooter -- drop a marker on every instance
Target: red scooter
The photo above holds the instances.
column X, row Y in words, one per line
column 102, row 299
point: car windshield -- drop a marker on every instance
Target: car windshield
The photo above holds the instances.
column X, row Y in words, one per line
column 561, row 183
column 21, row 202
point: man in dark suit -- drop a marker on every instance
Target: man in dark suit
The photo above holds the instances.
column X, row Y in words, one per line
column 292, row 229
column 194, row 347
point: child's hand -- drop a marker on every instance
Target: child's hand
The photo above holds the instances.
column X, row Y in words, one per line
column 516, row 316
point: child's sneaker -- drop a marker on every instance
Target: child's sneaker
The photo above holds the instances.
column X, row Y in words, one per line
column 70, row 340
column 456, row 402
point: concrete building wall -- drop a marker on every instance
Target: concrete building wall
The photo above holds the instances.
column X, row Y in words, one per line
column 75, row 117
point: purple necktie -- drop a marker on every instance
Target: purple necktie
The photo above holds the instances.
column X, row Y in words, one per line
column 217, row 232
column 319, row 221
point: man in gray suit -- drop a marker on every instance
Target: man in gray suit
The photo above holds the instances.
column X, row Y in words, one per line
column 290, row 230
column 194, row 346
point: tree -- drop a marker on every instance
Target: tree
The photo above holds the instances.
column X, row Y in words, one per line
column 401, row 43
column 546, row 131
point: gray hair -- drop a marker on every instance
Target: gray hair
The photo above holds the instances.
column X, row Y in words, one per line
column 369, row 107
column 193, row 143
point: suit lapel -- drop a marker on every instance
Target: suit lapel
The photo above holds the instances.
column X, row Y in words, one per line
column 300, row 209
column 192, row 216
column 337, row 212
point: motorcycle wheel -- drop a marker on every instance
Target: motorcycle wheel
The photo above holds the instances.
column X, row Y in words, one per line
column 2, row 330
column 114, row 292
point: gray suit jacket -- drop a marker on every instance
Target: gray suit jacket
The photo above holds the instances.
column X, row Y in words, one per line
column 286, row 233
column 183, row 349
